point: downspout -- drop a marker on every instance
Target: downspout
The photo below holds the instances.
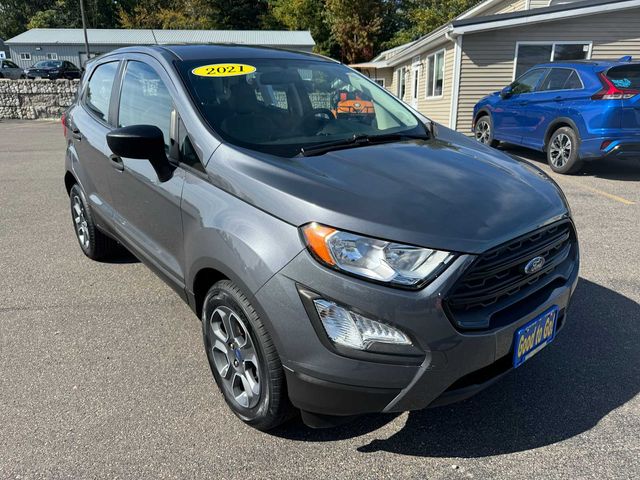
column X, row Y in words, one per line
column 457, row 64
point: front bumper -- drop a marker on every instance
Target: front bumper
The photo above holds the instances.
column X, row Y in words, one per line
column 456, row 364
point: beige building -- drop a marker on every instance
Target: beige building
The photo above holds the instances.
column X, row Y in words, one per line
column 445, row 73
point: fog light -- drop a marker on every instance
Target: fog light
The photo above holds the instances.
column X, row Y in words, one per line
column 350, row 329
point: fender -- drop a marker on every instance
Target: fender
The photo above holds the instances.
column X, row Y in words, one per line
column 553, row 126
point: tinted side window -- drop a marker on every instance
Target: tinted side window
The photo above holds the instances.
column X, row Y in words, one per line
column 556, row 79
column 145, row 100
column 98, row 92
column 527, row 82
column 10, row 64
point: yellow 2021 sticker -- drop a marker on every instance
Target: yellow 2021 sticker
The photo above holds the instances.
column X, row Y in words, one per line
column 223, row 70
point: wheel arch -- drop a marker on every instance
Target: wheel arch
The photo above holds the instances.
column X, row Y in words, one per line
column 480, row 113
column 69, row 181
column 555, row 125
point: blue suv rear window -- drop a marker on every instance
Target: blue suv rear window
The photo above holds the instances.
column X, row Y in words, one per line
column 625, row 76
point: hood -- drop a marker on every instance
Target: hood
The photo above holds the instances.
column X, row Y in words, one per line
column 461, row 196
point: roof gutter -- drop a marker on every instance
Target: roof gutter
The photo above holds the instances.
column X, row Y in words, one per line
column 534, row 18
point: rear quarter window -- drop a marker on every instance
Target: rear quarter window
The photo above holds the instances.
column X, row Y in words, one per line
column 625, row 76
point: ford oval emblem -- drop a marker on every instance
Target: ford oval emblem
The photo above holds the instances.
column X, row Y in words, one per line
column 534, row 265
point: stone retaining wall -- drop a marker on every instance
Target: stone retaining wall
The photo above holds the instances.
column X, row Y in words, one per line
column 34, row 99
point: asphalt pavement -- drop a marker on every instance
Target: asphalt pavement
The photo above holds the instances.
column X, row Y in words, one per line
column 103, row 373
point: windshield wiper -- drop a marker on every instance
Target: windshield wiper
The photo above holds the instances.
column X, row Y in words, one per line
column 359, row 140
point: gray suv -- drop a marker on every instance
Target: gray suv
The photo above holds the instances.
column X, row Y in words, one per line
column 345, row 254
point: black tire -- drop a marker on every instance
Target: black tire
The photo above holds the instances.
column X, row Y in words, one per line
column 483, row 131
column 562, row 151
column 271, row 406
column 1, row 75
column 23, row 77
column 94, row 244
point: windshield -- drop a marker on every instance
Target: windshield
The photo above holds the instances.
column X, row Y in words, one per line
column 282, row 106
column 625, row 76
column 48, row 64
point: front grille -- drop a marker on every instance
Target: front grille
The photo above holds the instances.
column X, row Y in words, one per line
column 497, row 278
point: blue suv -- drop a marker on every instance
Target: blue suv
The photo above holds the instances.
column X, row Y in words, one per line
column 573, row 111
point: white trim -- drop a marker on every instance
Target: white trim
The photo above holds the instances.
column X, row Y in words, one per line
column 455, row 88
column 25, row 56
column 478, row 8
column 415, row 80
column 428, row 62
column 54, row 56
column 533, row 18
column 527, row 5
column 553, row 44
column 379, row 80
column 439, row 34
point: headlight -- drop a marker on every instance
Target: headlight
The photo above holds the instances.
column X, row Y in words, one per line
column 387, row 262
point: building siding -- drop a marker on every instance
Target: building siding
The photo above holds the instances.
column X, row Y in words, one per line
column 70, row 53
column 487, row 57
column 438, row 109
column 538, row 4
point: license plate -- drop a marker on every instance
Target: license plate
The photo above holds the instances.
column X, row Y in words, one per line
column 534, row 336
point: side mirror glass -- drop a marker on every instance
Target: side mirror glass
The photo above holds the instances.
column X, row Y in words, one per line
column 144, row 142
column 506, row 92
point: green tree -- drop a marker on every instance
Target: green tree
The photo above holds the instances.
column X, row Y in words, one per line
column 238, row 14
column 306, row 15
column 419, row 17
column 166, row 14
column 357, row 26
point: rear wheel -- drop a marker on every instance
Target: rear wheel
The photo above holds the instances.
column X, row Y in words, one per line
column 483, row 131
column 562, row 151
column 243, row 359
column 94, row 244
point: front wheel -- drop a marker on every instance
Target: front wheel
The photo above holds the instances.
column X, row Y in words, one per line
column 483, row 131
column 562, row 151
column 243, row 359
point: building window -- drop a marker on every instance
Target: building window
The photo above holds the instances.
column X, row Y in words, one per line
column 379, row 81
column 25, row 56
column 401, row 83
column 52, row 56
column 529, row 54
column 435, row 74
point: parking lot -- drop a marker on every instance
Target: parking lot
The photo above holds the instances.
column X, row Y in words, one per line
column 104, row 375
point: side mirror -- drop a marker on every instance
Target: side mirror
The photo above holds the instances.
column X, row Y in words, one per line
column 506, row 92
column 144, row 142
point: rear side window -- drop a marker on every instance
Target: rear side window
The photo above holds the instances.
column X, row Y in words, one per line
column 98, row 92
column 625, row 76
column 145, row 100
column 561, row 79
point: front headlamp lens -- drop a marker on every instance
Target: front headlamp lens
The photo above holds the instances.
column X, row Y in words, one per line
column 375, row 259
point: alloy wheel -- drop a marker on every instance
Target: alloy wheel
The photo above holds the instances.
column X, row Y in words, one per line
column 560, row 150
column 234, row 356
column 483, row 131
column 80, row 222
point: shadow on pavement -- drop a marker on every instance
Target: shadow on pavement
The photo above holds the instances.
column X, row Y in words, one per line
column 608, row 169
column 592, row 368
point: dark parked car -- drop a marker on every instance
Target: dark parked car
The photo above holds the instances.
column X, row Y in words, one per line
column 53, row 70
column 573, row 111
column 338, row 265
column 8, row 69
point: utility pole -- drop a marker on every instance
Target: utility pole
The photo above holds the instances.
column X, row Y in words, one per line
column 84, row 29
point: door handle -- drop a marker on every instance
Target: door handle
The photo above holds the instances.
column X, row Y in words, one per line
column 524, row 102
column 558, row 99
column 116, row 162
